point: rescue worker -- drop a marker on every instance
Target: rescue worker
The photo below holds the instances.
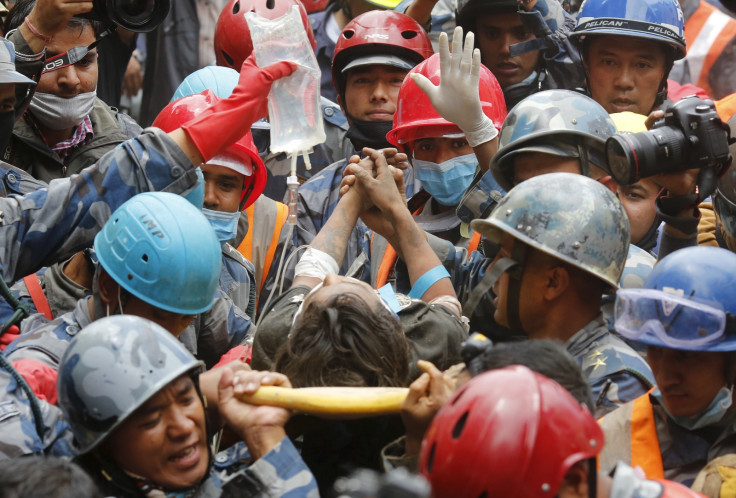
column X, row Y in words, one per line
column 51, row 223
column 563, row 244
column 684, row 315
column 374, row 53
column 142, row 251
column 498, row 26
column 233, row 180
column 232, row 46
column 146, row 431
column 443, row 159
column 66, row 127
column 558, row 458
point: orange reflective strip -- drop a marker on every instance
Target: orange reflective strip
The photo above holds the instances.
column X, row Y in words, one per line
column 282, row 212
column 246, row 246
column 474, row 242
column 645, row 450
column 695, row 24
column 37, row 295
column 726, row 107
column 388, row 262
column 715, row 51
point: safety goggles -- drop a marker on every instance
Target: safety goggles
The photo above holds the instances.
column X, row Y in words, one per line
column 667, row 319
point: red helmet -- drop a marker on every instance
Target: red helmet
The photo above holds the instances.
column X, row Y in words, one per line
column 507, row 433
column 232, row 37
column 379, row 33
column 315, row 5
column 242, row 156
column 416, row 118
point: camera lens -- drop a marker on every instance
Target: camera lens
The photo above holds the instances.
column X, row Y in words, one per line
column 137, row 8
column 632, row 156
column 134, row 15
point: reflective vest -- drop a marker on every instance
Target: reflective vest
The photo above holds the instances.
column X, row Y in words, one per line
column 707, row 32
column 645, row 451
column 726, row 107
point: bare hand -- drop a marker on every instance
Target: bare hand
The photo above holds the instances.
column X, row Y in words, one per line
column 653, row 117
column 678, row 183
column 261, row 427
column 426, row 396
column 51, row 16
column 381, row 186
column 133, row 78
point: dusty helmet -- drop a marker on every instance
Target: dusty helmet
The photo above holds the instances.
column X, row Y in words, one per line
column 558, row 122
column 571, row 217
column 111, row 368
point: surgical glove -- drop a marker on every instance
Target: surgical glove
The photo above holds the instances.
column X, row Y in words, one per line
column 226, row 122
column 457, row 98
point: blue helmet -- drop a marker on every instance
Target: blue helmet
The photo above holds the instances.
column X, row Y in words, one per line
column 221, row 80
column 658, row 20
column 162, row 249
column 111, row 368
column 688, row 302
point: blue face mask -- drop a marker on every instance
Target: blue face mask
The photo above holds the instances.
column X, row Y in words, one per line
column 447, row 181
column 713, row 414
column 224, row 224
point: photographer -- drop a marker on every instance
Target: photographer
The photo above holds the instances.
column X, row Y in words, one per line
column 688, row 134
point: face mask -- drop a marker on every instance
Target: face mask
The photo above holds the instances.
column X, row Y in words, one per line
column 58, row 113
column 224, row 224
column 447, row 181
column 369, row 133
column 713, row 414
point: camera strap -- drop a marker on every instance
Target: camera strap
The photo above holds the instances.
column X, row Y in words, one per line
column 669, row 207
column 73, row 55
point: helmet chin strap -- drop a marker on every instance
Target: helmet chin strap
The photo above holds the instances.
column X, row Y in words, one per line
column 514, row 267
column 518, row 254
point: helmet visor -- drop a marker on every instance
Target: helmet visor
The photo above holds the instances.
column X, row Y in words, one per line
column 660, row 318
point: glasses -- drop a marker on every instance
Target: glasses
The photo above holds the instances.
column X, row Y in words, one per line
column 677, row 321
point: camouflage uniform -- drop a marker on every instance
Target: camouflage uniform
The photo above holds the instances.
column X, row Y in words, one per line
column 18, row 435
column 54, row 222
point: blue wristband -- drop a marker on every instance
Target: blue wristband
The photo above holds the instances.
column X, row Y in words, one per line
column 427, row 280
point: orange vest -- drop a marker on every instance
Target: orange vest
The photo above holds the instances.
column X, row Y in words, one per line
column 707, row 32
column 726, row 107
column 246, row 246
column 645, row 451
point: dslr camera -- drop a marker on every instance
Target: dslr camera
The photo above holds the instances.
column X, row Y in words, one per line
column 134, row 15
column 691, row 135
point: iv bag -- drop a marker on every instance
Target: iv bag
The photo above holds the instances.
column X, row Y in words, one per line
column 294, row 110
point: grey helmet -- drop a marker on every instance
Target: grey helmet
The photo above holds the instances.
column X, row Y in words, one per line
column 559, row 122
column 571, row 217
column 111, row 368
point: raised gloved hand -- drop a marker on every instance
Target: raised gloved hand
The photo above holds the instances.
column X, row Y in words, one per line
column 228, row 120
column 456, row 98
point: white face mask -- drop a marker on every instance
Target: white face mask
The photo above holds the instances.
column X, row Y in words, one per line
column 58, row 113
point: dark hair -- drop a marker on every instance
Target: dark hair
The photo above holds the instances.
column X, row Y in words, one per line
column 343, row 342
column 32, row 476
column 22, row 8
column 545, row 356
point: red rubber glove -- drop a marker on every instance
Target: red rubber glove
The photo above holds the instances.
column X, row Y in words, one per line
column 227, row 121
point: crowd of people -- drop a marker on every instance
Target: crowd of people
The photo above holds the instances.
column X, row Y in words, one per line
column 523, row 214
